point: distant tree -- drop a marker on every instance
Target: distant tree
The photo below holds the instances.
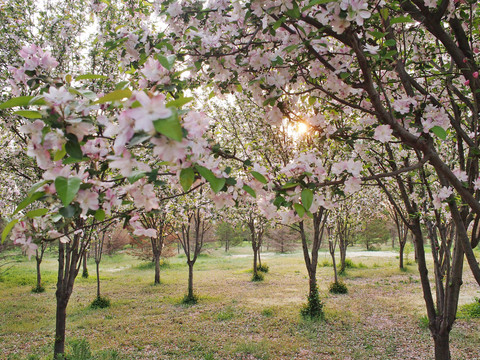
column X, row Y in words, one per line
column 375, row 231
column 228, row 235
column 283, row 239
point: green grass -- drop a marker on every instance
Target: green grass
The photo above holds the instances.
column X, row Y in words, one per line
column 234, row 318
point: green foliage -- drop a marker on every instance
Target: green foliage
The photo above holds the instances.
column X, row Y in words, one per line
column 423, row 322
column 470, row 311
column 85, row 274
column 189, row 300
column 225, row 232
column 268, row 312
column 226, row 314
column 338, row 287
column 257, row 350
column 375, row 232
column 313, row 309
column 325, row 263
column 148, row 265
column 38, row 289
column 100, row 303
column 263, row 268
column 258, row 276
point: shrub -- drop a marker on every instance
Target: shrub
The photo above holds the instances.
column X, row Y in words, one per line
column 80, row 350
column 313, row 309
column 325, row 263
column 470, row 311
column 38, row 289
column 268, row 312
column 100, row 303
column 258, row 276
column 190, row 300
column 263, row 268
column 349, row 264
column 424, row 322
column 338, row 287
column 85, row 274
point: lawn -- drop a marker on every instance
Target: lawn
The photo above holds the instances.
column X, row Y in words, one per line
column 381, row 317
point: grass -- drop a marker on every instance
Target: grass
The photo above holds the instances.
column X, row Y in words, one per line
column 234, row 318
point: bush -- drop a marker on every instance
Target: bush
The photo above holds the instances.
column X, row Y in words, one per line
column 263, row 268
column 338, row 288
column 470, row 311
column 85, row 274
column 190, row 300
column 313, row 309
column 38, row 289
column 349, row 264
column 325, row 263
column 424, row 322
column 80, row 350
column 268, row 312
column 258, row 276
column 100, row 303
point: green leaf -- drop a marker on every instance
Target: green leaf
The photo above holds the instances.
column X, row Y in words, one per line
column 384, row 12
column 377, row 34
column 307, row 198
column 35, row 213
column 18, row 101
column 170, row 127
column 295, row 11
column 178, row 103
column 67, row 211
column 29, row 114
column 72, row 148
column 440, row 132
column 167, row 62
column 90, row 77
column 114, row 96
column 249, row 190
column 390, row 42
column 100, row 215
column 215, row 183
column 187, row 177
column 136, row 175
column 259, row 177
column 28, row 200
column 67, row 188
column 59, row 154
column 36, row 186
column 8, row 228
column 401, row 19
column 299, row 209
column 290, row 185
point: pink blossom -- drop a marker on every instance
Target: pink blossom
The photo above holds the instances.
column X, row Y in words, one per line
column 58, row 96
column 460, row 174
column 196, row 123
column 353, row 185
column 152, row 109
column 87, row 199
column 383, row 133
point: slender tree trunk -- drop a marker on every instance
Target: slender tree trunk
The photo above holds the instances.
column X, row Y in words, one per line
column 157, row 268
column 259, row 259
column 312, row 281
column 39, row 273
column 402, row 247
column 334, row 267
column 343, row 255
column 60, row 325
column 190, row 279
column 85, row 269
column 442, row 346
column 97, row 263
column 255, row 261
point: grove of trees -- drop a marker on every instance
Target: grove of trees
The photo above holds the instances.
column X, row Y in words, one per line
column 166, row 115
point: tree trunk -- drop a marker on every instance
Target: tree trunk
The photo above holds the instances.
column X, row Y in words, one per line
column 85, row 270
column 402, row 247
column 97, row 263
column 259, row 259
column 39, row 274
column 442, row 347
column 255, row 261
column 312, row 282
column 60, row 325
column 190, row 280
column 343, row 255
column 157, row 269
column 334, row 268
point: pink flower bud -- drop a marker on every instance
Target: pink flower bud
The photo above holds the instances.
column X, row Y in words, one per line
column 475, row 74
column 465, row 60
column 467, row 82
